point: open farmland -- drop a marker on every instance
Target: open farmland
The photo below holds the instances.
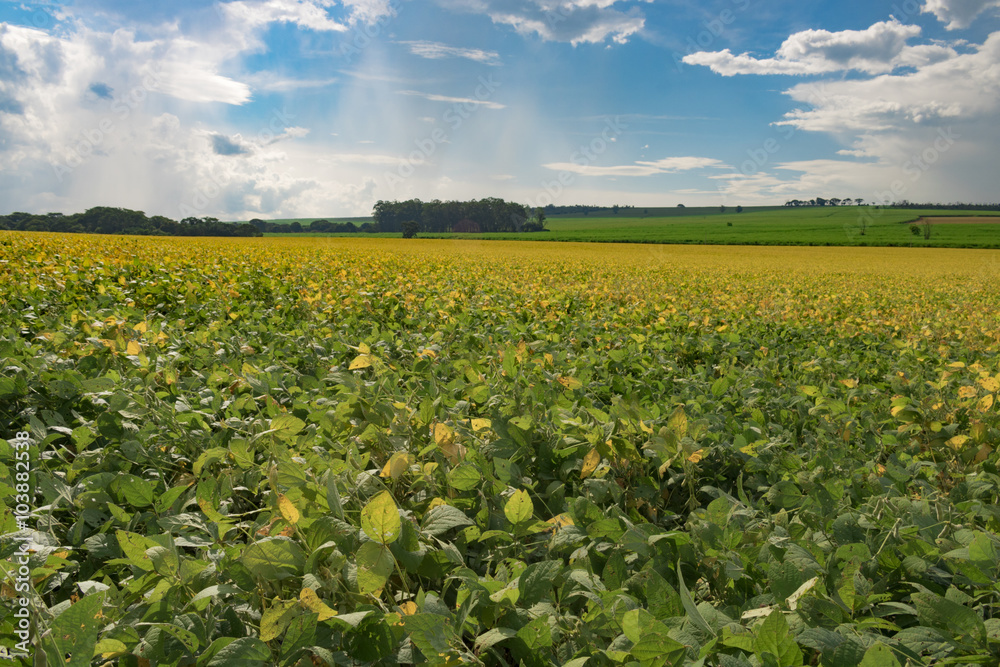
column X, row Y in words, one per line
column 815, row 226
column 373, row 451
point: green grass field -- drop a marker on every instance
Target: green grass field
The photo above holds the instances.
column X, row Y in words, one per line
column 811, row 226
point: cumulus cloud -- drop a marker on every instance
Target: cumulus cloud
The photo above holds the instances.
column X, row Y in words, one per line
column 963, row 88
column 84, row 121
column 668, row 165
column 252, row 14
column 573, row 21
column 880, row 48
column 958, row 14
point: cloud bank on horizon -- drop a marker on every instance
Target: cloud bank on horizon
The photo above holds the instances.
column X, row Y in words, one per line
column 298, row 108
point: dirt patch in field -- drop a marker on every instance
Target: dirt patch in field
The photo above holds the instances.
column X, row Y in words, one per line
column 971, row 220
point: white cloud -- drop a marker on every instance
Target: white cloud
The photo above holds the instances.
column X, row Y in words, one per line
column 963, row 88
column 267, row 81
column 454, row 100
column 668, row 165
column 573, row 21
column 958, row 13
column 369, row 11
column 252, row 15
column 438, row 51
column 880, row 48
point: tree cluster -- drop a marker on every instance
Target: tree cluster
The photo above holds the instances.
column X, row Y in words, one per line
column 321, row 226
column 477, row 216
column 109, row 220
column 820, row 201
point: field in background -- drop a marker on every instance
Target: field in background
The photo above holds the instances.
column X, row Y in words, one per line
column 771, row 226
column 331, row 451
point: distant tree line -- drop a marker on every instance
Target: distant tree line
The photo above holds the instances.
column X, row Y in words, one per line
column 484, row 215
column 947, row 207
column 835, row 201
column 820, row 201
column 109, row 220
column 321, row 226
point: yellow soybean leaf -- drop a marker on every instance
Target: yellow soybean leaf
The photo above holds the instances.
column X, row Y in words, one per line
column 141, row 327
column 443, row 434
column 361, row 361
column 444, row 438
column 697, row 456
column 409, row 608
column 364, row 349
column 287, row 509
column 397, row 464
column 967, row 392
column 133, row 348
column 311, row 601
column 380, row 518
column 481, row 424
column 986, row 402
column 590, row 463
column 678, row 422
column 958, row 441
column 560, row 520
column 570, row 382
column 519, row 507
column 990, row 384
column 850, row 384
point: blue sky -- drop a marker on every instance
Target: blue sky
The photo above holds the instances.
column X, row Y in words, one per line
column 300, row 108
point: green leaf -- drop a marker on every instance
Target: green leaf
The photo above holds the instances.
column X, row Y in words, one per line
column 74, row 633
column 443, row 518
column 286, row 427
column 301, row 632
column 637, row 623
column 276, row 618
column 535, row 583
column 134, row 547
column 493, row 637
column 375, row 565
column 380, row 518
column 658, row 649
column 243, row 652
column 537, row 634
column 774, row 637
column 134, row 490
column 464, row 477
column 879, row 655
column 689, row 606
column 939, row 612
column 274, row 558
column 431, row 633
column 519, row 507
